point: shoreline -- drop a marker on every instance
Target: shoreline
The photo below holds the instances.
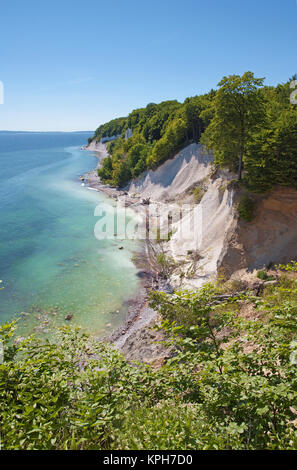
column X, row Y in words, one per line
column 139, row 314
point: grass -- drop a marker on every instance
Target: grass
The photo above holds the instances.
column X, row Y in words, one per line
column 198, row 194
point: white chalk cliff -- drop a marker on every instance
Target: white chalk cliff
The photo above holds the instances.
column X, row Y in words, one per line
column 220, row 241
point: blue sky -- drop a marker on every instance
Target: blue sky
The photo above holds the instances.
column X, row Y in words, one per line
column 72, row 65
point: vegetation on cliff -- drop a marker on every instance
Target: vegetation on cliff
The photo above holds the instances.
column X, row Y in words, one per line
column 159, row 132
column 250, row 128
column 231, row 383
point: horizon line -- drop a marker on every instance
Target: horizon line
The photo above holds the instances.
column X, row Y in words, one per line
column 43, row 132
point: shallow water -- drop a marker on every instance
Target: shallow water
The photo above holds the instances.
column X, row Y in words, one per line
column 50, row 262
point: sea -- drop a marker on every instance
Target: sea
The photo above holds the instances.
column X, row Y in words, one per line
column 52, row 266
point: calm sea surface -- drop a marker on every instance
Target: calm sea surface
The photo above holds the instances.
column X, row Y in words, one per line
column 51, row 264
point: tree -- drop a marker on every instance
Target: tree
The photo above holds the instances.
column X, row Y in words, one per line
column 271, row 156
column 170, row 142
column 238, row 113
column 193, row 108
column 105, row 172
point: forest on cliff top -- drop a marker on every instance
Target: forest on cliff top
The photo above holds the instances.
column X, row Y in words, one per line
column 250, row 128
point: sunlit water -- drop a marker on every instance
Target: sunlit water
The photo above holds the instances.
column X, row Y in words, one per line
column 50, row 262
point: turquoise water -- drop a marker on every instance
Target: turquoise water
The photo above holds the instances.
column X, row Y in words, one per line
column 50, row 262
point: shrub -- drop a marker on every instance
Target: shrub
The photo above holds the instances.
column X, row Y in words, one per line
column 198, row 194
column 165, row 264
column 230, row 384
column 264, row 276
column 171, row 425
column 290, row 267
column 246, row 208
column 246, row 380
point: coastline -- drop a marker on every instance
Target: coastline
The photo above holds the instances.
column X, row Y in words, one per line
column 139, row 315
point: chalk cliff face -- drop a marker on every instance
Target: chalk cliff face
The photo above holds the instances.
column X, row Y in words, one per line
column 201, row 254
column 128, row 133
column 209, row 237
column 198, row 240
column 175, row 176
column 218, row 239
column 97, row 147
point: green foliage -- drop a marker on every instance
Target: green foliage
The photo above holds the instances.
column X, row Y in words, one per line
column 44, row 397
column 105, row 171
column 198, row 194
column 165, row 264
column 173, row 426
column 246, row 380
column 264, row 276
column 159, row 132
column 290, row 267
column 66, row 395
column 189, row 311
column 111, row 128
column 247, row 126
column 230, row 384
column 237, row 114
column 246, row 208
column 172, row 141
column 271, row 152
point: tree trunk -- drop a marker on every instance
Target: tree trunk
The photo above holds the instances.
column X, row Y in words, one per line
column 240, row 167
column 194, row 132
column 242, row 146
column 199, row 131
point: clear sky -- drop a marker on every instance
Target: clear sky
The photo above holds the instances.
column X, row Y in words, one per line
column 72, row 65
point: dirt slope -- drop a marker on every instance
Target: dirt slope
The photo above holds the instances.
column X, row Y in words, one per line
column 270, row 238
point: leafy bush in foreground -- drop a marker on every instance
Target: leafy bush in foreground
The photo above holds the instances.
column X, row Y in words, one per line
column 231, row 384
column 245, row 368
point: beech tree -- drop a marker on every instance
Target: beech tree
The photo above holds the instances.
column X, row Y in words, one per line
column 238, row 112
